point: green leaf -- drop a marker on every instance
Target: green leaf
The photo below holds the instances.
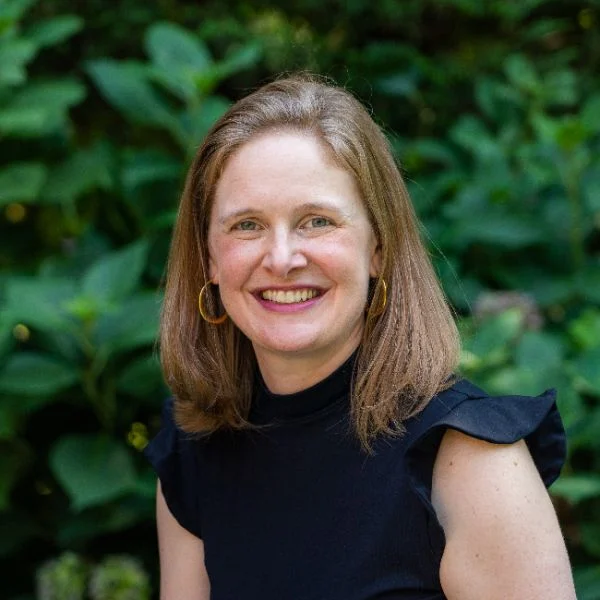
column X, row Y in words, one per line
column 577, row 488
column 499, row 229
column 7, row 322
column 242, row 58
column 522, row 74
column 40, row 303
column 585, row 329
column 93, row 469
column 13, row 10
column 126, row 86
column 31, row 374
column 146, row 168
column 14, row 56
column 177, row 56
column 100, row 520
column 493, row 335
column 116, row 275
column 53, row 31
column 197, row 120
column 539, row 352
column 26, row 122
column 133, row 324
column 141, row 378
column 587, row 582
column 21, row 182
column 57, row 95
column 40, row 108
column 590, row 112
column 587, row 369
column 84, row 171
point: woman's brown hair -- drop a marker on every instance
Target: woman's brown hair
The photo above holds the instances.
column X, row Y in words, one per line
column 407, row 353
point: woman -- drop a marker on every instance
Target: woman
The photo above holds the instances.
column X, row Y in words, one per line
column 323, row 448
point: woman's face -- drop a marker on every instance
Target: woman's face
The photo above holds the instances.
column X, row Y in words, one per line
column 291, row 248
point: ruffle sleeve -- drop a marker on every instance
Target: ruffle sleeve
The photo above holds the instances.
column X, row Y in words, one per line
column 174, row 456
column 495, row 419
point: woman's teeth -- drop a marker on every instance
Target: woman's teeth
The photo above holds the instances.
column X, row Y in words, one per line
column 288, row 297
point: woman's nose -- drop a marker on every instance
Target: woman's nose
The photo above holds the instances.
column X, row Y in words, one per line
column 283, row 254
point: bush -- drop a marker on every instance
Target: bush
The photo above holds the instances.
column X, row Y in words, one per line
column 491, row 108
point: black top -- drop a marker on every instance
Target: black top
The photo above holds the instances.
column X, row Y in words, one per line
column 296, row 509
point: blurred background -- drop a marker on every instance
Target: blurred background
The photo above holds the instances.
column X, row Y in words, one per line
column 493, row 109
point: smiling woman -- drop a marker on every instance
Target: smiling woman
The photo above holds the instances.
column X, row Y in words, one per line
column 319, row 444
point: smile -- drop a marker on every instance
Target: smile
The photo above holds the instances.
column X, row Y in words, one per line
column 289, row 296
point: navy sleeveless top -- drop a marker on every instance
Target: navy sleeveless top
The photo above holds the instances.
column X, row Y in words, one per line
column 296, row 509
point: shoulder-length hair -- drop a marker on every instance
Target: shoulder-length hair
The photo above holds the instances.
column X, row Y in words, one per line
column 408, row 352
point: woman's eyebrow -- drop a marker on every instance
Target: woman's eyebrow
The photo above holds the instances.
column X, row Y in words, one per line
column 302, row 208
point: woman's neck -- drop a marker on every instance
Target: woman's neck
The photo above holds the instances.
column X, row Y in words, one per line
column 293, row 372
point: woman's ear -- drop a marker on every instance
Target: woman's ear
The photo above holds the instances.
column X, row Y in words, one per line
column 375, row 265
column 213, row 272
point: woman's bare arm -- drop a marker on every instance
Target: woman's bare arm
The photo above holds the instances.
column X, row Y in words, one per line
column 503, row 540
column 182, row 572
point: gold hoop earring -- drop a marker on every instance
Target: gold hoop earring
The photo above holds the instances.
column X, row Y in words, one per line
column 375, row 313
column 212, row 320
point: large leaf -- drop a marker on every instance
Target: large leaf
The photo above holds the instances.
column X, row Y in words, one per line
column 116, row 275
column 40, row 108
column 21, row 182
column 40, row 303
column 93, row 469
column 32, row 374
column 126, row 86
column 50, row 32
column 178, row 56
column 133, row 324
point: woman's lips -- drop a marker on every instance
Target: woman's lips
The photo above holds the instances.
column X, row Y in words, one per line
column 289, row 299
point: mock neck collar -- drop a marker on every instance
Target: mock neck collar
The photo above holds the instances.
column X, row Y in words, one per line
column 268, row 407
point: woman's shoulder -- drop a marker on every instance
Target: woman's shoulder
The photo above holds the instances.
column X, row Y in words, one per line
column 498, row 419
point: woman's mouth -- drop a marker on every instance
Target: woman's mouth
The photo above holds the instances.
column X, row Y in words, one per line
column 289, row 296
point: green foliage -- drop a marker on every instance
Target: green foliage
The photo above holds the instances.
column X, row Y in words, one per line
column 69, row 577
column 494, row 121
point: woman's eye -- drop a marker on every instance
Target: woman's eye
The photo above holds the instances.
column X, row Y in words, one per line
column 246, row 226
column 318, row 222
